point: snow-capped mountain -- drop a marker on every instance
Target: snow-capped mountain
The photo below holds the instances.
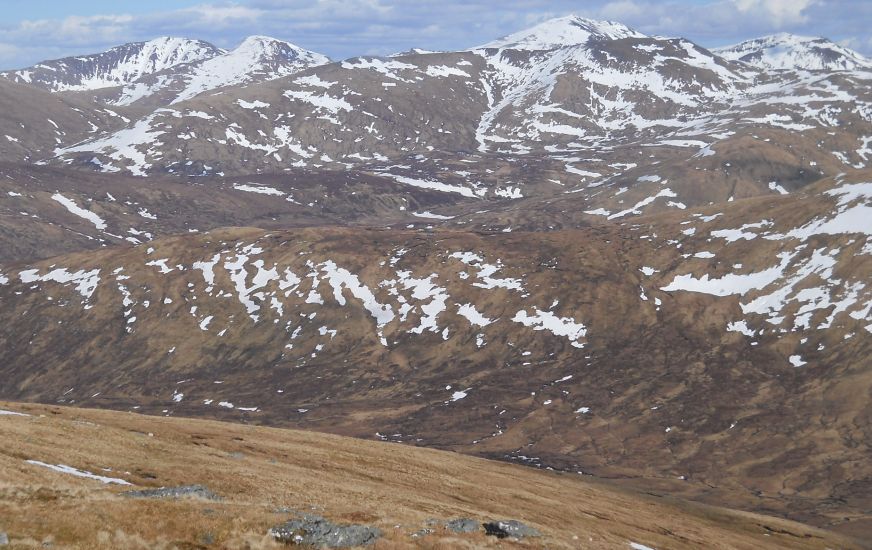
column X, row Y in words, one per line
column 789, row 52
column 116, row 67
column 257, row 58
column 510, row 101
column 168, row 70
column 563, row 31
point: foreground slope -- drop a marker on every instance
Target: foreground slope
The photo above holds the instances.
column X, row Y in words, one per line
column 263, row 474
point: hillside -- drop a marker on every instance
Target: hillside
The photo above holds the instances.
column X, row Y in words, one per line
column 263, row 475
column 647, row 349
column 576, row 248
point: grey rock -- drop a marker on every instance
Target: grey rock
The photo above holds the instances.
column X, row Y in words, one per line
column 463, row 525
column 510, row 528
column 4, row 539
column 422, row 533
column 319, row 532
column 195, row 491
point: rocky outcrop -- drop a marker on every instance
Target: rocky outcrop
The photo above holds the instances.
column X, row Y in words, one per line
column 185, row 491
column 510, row 529
column 311, row 530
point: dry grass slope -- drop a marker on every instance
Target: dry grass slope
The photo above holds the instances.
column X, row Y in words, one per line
column 260, row 470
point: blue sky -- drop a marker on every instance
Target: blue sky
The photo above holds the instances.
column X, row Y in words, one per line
column 31, row 30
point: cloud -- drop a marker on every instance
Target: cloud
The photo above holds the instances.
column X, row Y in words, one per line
column 73, row 29
column 780, row 12
column 345, row 28
column 220, row 16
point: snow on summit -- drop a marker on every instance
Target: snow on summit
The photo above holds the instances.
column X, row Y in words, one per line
column 257, row 55
column 789, row 51
column 115, row 67
column 563, row 31
column 181, row 66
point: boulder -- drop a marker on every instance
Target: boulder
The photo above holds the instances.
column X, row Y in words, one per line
column 463, row 525
column 510, row 528
column 319, row 532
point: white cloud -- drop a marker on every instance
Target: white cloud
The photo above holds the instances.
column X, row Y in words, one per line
column 623, row 10
column 74, row 29
column 780, row 12
column 221, row 16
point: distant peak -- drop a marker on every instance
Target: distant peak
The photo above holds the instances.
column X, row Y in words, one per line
column 790, row 51
column 570, row 30
column 262, row 39
column 267, row 46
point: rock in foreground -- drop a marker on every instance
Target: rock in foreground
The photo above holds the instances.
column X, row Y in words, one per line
column 185, row 491
column 510, row 528
column 319, row 532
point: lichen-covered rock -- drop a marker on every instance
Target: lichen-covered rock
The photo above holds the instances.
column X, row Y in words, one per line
column 185, row 491
column 510, row 528
column 319, row 532
column 463, row 525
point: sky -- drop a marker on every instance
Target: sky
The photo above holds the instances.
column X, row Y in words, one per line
column 31, row 31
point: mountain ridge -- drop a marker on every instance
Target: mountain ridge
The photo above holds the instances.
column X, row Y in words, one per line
column 785, row 51
column 117, row 66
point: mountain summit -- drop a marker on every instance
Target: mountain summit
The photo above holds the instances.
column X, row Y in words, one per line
column 789, row 51
column 115, row 67
column 257, row 58
column 563, row 31
column 174, row 69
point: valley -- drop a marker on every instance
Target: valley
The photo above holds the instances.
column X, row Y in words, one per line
column 592, row 253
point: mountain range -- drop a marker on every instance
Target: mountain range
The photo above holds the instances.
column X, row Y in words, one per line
column 575, row 247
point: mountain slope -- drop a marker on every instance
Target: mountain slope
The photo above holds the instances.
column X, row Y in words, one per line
column 571, row 99
column 48, row 211
column 116, row 67
column 791, row 52
column 265, row 476
column 646, row 350
column 513, row 124
column 34, row 122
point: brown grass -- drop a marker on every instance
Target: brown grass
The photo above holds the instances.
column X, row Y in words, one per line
column 259, row 470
